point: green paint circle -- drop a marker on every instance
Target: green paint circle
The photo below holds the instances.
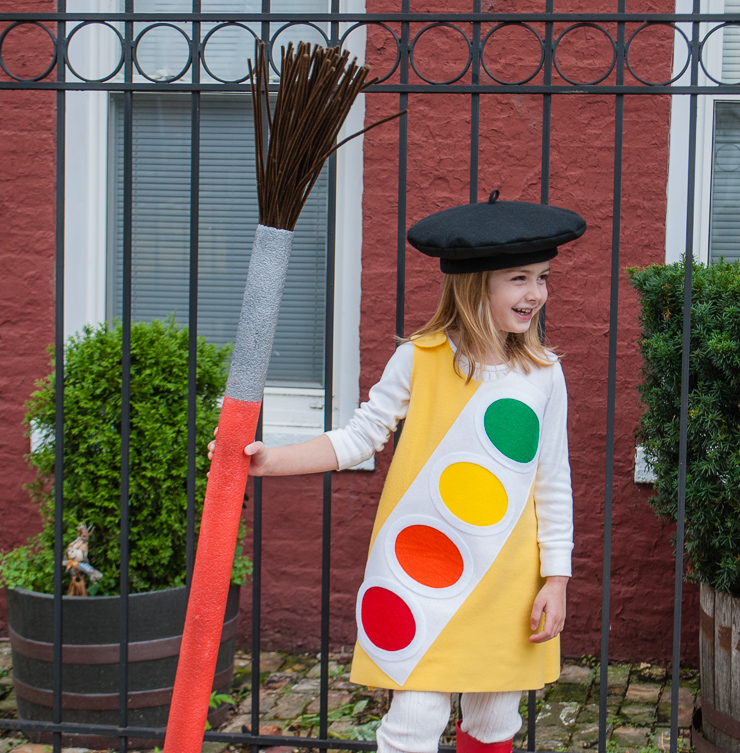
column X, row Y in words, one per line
column 513, row 428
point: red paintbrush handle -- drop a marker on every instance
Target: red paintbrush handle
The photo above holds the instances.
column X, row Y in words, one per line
column 211, row 576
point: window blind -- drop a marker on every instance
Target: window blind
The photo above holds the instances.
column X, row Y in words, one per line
column 724, row 231
column 228, row 218
column 731, row 47
column 724, row 226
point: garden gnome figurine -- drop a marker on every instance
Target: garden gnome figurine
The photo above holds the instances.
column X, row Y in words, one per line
column 76, row 563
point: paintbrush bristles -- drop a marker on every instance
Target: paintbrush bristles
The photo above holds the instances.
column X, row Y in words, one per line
column 317, row 90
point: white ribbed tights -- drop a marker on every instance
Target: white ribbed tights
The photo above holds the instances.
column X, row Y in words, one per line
column 416, row 719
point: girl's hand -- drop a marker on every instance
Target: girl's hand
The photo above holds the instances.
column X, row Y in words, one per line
column 551, row 601
column 259, row 454
column 212, row 447
column 257, row 451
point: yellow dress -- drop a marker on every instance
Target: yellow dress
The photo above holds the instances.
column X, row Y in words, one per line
column 454, row 563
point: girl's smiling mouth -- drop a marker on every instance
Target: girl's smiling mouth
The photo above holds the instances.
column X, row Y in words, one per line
column 523, row 313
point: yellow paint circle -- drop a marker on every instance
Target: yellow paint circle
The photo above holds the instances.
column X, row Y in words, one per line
column 473, row 494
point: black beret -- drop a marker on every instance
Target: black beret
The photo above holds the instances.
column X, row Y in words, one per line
column 495, row 234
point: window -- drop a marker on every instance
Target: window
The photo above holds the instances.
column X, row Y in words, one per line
column 161, row 204
column 717, row 186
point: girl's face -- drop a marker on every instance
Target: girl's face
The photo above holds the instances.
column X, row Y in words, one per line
column 517, row 294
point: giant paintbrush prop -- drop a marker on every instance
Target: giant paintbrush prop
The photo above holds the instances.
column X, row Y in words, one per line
column 317, row 90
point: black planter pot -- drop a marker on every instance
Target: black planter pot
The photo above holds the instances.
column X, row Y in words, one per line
column 90, row 659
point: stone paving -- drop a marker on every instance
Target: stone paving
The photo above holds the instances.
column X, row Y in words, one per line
column 638, row 706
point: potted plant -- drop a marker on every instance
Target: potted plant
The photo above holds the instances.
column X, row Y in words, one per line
column 712, row 533
column 158, row 528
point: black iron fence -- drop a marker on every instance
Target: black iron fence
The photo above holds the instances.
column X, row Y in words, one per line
column 618, row 76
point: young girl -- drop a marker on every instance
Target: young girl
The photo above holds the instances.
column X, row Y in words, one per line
column 465, row 583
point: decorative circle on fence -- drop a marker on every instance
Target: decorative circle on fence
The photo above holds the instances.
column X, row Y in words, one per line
column 675, row 28
column 209, row 36
column 586, row 25
column 396, row 41
column 467, row 43
column 164, row 79
column 704, row 45
column 290, row 26
column 3, row 39
column 119, row 64
column 518, row 24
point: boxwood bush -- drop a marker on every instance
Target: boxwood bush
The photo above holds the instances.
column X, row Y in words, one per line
column 92, row 455
column 713, row 469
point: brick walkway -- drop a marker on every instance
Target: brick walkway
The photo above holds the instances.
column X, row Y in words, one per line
column 638, row 705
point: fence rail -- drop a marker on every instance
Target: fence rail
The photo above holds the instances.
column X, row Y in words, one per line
column 695, row 31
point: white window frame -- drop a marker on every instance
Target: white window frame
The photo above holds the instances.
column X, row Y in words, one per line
column 678, row 178
column 291, row 414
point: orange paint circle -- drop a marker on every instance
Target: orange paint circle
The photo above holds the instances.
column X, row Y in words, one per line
column 428, row 556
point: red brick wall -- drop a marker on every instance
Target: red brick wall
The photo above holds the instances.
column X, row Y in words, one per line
column 27, row 208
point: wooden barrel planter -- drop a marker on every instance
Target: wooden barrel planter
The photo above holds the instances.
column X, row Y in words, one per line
column 719, row 647
column 90, row 659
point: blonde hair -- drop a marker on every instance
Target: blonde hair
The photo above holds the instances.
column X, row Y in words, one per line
column 464, row 307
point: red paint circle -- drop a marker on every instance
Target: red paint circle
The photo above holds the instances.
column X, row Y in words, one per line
column 428, row 556
column 387, row 619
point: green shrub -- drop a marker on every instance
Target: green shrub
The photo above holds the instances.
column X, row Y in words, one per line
column 713, row 468
column 92, row 455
